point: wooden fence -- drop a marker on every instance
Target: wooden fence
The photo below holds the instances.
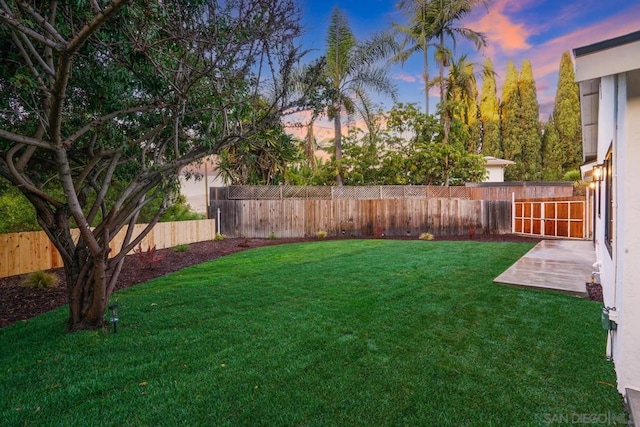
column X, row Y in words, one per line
column 374, row 217
column 521, row 190
column 31, row 251
column 320, row 192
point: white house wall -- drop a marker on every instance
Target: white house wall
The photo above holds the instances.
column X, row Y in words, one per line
column 619, row 126
column 605, row 133
column 628, row 244
column 496, row 174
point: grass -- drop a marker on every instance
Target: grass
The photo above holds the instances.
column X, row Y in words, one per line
column 356, row 332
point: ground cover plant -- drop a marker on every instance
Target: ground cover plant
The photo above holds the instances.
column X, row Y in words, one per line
column 342, row 332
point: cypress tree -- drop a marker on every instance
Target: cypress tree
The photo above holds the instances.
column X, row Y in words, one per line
column 472, row 114
column 530, row 125
column 490, row 113
column 566, row 114
column 510, row 123
column 552, row 152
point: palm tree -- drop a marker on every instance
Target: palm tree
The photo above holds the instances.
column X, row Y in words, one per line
column 415, row 38
column 351, row 68
column 444, row 15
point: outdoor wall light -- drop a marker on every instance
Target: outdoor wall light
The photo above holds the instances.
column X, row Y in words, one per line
column 113, row 317
column 598, row 172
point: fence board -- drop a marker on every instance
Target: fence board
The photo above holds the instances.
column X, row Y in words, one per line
column 31, row 251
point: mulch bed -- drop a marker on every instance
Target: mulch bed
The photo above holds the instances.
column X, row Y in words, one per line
column 19, row 303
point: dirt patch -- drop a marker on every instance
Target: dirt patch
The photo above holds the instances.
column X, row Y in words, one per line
column 19, row 303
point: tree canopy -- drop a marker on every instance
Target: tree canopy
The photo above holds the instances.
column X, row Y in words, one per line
column 103, row 92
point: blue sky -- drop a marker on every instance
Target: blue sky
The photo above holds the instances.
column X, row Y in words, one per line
column 539, row 30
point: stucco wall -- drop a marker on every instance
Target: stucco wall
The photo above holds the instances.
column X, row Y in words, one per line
column 628, row 247
column 620, row 270
column 496, row 174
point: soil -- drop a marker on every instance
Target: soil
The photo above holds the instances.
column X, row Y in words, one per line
column 19, row 303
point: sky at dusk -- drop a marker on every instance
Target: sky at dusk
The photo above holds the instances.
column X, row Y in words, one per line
column 538, row 30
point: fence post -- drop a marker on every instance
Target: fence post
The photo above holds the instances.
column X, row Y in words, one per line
column 543, row 209
column 513, row 212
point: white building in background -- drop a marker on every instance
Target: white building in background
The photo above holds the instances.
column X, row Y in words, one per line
column 495, row 167
column 609, row 76
column 196, row 191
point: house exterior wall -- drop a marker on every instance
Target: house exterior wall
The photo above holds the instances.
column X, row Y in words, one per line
column 619, row 128
column 628, row 245
column 496, row 174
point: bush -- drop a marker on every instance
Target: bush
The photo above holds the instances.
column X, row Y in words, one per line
column 181, row 248
column 150, row 258
column 426, row 236
column 272, row 236
column 322, row 234
column 219, row 237
column 40, row 279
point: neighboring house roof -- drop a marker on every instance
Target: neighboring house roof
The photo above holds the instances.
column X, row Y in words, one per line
column 605, row 58
column 493, row 161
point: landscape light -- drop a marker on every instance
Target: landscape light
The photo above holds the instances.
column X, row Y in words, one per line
column 113, row 317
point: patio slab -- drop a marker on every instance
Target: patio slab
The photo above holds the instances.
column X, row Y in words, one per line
column 562, row 265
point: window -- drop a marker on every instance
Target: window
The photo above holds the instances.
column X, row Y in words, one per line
column 608, row 201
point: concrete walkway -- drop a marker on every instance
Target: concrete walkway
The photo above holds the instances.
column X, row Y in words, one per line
column 563, row 265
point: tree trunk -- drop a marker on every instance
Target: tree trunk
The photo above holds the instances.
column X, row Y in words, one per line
column 338, row 146
column 87, row 290
column 425, row 59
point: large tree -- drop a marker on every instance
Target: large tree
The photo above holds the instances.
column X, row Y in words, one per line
column 98, row 93
column 531, row 142
column 446, row 17
column 511, row 132
column 520, row 124
column 552, row 152
column 351, row 69
column 490, row 113
column 566, row 114
column 416, row 38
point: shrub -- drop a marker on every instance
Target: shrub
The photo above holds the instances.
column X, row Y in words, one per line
column 219, row 236
column 272, row 236
column 40, row 279
column 150, row 258
column 322, row 234
column 426, row 236
column 181, row 248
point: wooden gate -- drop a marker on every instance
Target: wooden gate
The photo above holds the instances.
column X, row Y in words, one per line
column 558, row 217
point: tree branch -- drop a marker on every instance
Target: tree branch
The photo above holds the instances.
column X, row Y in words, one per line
column 104, row 119
column 11, row 21
column 42, row 21
column 22, row 139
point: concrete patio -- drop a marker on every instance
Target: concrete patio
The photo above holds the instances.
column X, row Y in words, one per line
column 561, row 265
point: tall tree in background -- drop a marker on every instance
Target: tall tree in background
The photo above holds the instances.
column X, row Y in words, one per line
column 531, row 161
column 511, row 133
column 490, row 113
column 520, row 123
column 470, row 114
column 445, row 17
column 351, row 68
column 460, row 102
column 416, row 37
column 566, row 114
column 104, row 93
column 552, row 152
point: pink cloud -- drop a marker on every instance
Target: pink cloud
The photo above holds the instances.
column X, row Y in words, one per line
column 504, row 34
column 405, row 77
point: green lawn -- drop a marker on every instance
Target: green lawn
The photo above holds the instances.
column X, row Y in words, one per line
column 354, row 332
